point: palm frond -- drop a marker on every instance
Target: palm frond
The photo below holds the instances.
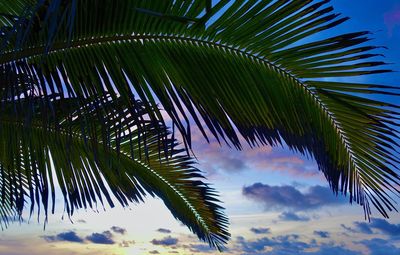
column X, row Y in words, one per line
column 249, row 68
column 113, row 155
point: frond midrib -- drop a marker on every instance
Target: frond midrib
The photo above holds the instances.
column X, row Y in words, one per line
column 12, row 56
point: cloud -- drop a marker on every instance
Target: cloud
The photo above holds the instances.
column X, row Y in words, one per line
column 285, row 162
column 385, row 227
column 276, row 197
column 330, row 249
column 254, row 246
column 166, row 241
column 291, row 216
column 322, row 234
column 201, row 248
column 348, row 229
column 289, row 245
column 164, row 230
column 69, row 236
column 233, row 164
column 260, row 230
column 118, row 230
column 126, row 243
column 377, row 224
column 101, row 238
column 379, row 246
column 216, row 158
column 363, row 227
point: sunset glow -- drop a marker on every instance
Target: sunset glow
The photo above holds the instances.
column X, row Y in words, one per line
column 277, row 201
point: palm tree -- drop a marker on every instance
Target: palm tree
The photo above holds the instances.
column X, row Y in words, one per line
column 83, row 85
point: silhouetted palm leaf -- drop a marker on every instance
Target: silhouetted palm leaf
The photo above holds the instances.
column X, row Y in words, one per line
column 96, row 151
column 250, row 68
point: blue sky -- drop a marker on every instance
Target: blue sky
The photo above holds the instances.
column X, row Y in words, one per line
column 277, row 201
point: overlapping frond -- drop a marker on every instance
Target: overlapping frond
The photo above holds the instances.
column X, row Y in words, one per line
column 250, row 68
column 97, row 153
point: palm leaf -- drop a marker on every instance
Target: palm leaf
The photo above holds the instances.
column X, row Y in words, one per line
column 91, row 169
column 239, row 68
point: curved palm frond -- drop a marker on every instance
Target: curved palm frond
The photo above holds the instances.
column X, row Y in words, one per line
column 96, row 152
column 250, row 68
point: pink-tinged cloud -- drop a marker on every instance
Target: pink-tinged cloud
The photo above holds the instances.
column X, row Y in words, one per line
column 291, row 165
column 214, row 157
column 392, row 20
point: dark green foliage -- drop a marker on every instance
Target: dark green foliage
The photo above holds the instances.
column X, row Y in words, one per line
column 81, row 81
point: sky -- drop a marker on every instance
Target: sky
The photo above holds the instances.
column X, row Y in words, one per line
column 277, row 201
